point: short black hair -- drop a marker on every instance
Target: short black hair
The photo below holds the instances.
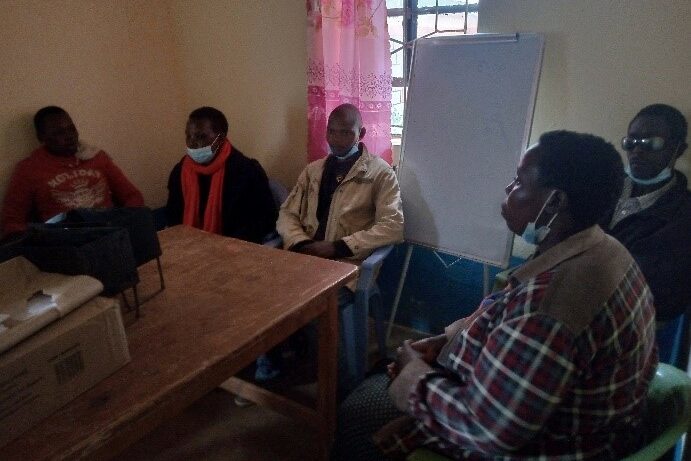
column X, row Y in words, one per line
column 586, row 167
column 349, row 113
column 675, row 120
column 42, row 114
column 219, row 123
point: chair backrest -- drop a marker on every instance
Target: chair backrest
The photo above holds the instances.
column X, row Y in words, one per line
column 280, row 194
column 668, row 414
column 671, row 339
column 278, row 191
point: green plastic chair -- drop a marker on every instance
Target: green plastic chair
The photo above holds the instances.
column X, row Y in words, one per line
column 669, row 413
column 667, row 419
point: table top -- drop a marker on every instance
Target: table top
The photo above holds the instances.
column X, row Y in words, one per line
column 226, row 301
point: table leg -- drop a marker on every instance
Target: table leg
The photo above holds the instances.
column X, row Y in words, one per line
column 327, row 369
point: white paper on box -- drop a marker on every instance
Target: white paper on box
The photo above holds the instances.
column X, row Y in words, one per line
column 37, row 298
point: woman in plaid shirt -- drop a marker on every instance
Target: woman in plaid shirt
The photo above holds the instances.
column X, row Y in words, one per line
column 556, row 365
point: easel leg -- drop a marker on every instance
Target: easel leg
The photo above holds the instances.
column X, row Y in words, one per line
column 399, row 290
column 485, row 279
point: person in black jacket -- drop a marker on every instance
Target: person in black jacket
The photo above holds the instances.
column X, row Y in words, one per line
column 215, row 187
column 653, row 215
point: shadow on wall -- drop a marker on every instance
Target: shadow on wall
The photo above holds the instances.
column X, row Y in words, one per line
column 19, row 138
column 419, row 219
column 553, row 80
column 285, row 164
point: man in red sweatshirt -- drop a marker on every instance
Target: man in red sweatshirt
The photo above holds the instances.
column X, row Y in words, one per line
column 61, row 175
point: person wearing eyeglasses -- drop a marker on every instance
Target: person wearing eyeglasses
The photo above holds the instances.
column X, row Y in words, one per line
column 653, row 215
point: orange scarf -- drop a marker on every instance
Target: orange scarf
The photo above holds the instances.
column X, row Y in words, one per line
column 213, row 212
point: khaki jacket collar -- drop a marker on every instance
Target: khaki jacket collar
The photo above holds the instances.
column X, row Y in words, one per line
column 361, row 164
column 572, row 246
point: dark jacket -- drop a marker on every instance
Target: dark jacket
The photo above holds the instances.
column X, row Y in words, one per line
column 249, row 210
column 658, row 238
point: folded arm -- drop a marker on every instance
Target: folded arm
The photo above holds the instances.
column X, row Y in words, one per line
column 513, row 388
column 388, row 218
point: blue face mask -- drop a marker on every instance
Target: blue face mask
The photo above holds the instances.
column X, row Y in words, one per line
column 344, row 153
column 534, row 235
column 202, row 155
column 662, row 176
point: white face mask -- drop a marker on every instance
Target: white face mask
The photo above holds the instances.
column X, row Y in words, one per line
column 203, row 155
column 343, row 153
column 535, row 236
column 662, row 176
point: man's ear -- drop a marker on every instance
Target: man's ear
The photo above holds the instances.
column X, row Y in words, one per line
column 681, row 149
column 558, row 203
column 363, row 130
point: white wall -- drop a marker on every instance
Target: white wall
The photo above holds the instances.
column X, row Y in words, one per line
column 111, row 65
column 130, row 71
column 604, row 59
column 249, row 59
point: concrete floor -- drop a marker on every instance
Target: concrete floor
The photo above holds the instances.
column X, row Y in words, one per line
column 214, row 428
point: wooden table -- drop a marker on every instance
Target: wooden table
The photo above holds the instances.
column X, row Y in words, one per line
column 226, row 302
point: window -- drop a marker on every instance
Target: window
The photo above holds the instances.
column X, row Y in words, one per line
column 412, row 19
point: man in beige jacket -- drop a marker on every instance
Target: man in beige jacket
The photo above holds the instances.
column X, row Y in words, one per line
column 347, row 204
column 343, row 207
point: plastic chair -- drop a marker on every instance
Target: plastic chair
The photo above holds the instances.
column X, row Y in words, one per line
column 669, row 413
column 280, row 194
column 671, row 338
column 353, row 317
column 668, row 417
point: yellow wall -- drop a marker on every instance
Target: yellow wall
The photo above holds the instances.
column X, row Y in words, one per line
column 604, row 59
column 248, row 58
column 111, row 65
column 130, row 71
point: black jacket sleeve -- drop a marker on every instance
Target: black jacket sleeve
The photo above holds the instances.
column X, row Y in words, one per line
column 249, row 210
column 176, row 203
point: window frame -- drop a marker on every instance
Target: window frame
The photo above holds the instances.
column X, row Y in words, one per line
column 410, row 14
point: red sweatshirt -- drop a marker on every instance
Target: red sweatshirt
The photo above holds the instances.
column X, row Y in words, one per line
column 44, row 185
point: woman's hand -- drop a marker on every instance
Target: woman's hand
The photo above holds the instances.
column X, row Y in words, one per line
column 429, row 347
column 426, row 349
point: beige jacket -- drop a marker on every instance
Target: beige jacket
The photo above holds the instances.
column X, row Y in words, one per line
column 366, row 210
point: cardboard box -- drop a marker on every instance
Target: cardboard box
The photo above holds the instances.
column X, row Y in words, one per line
column 52, row 367
column 37, row 299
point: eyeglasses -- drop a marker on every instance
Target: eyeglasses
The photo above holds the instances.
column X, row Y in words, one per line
column 653, row 144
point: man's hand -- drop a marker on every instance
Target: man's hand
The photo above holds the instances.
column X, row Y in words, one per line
column 322, row 249
column 426, row 349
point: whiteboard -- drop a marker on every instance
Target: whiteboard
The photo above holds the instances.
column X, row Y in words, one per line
column 467, row 120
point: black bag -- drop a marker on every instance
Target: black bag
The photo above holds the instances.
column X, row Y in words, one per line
column 104, row 253
column 138, row 221
column 11, row 247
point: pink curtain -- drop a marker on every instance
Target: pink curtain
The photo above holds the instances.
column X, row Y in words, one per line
column 349, row 61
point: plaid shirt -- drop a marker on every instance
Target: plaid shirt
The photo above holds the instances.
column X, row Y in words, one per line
column 552, row 367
